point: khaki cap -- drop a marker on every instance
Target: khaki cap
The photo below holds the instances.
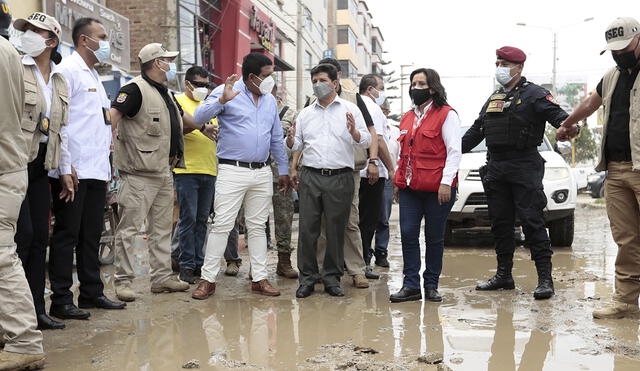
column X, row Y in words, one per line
column 620, row 33
column 40, row 20
column 153, row 51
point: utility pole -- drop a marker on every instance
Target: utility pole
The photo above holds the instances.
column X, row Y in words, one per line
column 300, row 61
column 402, row 84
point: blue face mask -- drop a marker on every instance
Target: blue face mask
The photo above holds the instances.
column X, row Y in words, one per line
column 171, row 74
column 104, row 50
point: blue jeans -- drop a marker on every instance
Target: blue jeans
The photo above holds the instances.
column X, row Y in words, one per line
column 382, row 230
column 414, row 206
column 195, row 195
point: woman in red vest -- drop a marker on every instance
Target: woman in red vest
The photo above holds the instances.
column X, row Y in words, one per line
column 426, row 180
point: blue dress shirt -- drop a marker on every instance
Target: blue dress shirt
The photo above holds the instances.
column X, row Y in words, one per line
column 248, row 132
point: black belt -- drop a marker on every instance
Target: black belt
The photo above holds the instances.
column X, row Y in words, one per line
column 511, row 155
column 248, row 165
column 329, row 172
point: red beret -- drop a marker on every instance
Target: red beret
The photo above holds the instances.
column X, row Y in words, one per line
column 511, row 54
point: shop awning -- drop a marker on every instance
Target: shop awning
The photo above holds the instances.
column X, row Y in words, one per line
column 281, row 65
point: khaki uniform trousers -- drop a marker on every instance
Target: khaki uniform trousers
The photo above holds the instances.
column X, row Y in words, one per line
column 150, row 198
column 622, row 194
column 17, row 315
column 353, row 260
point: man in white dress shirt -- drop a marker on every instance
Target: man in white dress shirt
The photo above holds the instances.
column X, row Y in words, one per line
column 325, row 133
column 79, row 219
column 372, row 190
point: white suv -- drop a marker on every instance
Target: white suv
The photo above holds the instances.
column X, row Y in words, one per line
column 470, row 209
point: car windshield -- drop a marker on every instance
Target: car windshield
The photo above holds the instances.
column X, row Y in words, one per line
column 482, row 147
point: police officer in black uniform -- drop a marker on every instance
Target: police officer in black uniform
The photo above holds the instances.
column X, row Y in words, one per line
column 513, row 121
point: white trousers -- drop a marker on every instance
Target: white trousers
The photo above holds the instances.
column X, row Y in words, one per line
column 237, row 185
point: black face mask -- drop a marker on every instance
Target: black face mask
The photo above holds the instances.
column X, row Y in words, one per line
column 420, row 96
column 626, row 60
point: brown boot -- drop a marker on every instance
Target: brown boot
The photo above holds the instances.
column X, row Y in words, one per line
column 204, row 290
column 284, row 268
column 264, row 288
column 10, row 361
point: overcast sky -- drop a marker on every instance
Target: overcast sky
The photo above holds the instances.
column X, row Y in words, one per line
column 459, row 38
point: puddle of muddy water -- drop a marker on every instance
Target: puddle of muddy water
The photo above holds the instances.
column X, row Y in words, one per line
column 236, row 330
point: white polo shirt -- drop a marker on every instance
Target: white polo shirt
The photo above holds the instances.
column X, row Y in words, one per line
column 86, row 137
column 380, row 124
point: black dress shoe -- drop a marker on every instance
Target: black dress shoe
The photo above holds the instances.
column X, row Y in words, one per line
column 187, row 276
column 406, row 294
column 370, row 275
column 197, row 272
column 304, row 291
column 47, row 323
column 68, row 311
column 432, row 294
column 102, row 302
column 497, row 282
column 334, row 291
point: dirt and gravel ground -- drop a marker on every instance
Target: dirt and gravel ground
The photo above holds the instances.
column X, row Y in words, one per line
column 469, row 330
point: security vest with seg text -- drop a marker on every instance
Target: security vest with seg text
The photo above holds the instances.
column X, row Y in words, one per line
column 609, row 82
column 143, row 142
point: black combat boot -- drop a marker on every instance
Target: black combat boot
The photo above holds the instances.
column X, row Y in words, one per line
column 545, row 281
column 503, row 279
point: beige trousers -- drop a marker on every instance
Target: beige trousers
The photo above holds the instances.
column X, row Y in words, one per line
column 143, row 198
column 17, row 315
column 353, row 259
column 622, row 193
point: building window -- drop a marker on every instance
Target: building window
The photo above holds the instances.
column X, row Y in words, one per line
column 347, row 36
column 351, row 5
column 349, row 71
column 308, row 20
column 321, row 31
column 308, row 61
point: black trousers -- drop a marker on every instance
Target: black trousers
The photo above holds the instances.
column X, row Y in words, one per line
column 514, row 188
column 79, row 225
column 32, row 231
column 370, row 203
column 330, row 196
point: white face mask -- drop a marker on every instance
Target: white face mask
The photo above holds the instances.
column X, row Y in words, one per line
column 33, row 44
column 267, row 84
column 200, row 94
column 381, row 97
column 503, row 75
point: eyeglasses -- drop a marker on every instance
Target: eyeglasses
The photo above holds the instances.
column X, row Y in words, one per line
column 201, row 84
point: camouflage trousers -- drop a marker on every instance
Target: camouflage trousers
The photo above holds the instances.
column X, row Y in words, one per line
column 283, row 218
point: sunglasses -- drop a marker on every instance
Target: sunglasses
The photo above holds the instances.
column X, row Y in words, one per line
column 199, row 84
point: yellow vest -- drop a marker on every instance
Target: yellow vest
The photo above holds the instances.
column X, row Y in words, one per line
column 609, row 82
column 143, row 142
column 199, row 151
column 35, row 104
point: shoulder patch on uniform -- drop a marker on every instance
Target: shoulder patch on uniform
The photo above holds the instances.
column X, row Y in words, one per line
column 551, row 99
column 403, row 131
column 122, row 97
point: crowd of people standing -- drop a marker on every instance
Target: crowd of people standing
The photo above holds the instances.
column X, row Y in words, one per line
column 237, row 151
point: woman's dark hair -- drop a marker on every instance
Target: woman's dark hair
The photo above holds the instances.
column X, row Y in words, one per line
column 253, row 63
column 433, row 79
column 327, row 68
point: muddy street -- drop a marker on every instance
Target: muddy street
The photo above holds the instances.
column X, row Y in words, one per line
column 469, row 330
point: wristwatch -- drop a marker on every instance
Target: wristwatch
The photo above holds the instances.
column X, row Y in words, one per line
column 373, row 161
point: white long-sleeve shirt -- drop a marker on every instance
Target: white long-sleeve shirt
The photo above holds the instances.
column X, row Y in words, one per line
column 323, row 137
column 86, row 137
column 453, row 142
column 379, row 123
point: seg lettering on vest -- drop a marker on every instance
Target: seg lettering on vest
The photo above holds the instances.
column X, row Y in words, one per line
column 142, row 142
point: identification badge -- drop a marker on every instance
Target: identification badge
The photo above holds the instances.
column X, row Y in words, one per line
column 43, row 124
column 107, row 116
column 496, row 106
column 498, row 96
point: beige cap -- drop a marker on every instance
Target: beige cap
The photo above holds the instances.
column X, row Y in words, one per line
column 620, row 33
column 40, row 20
column 153, row 51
